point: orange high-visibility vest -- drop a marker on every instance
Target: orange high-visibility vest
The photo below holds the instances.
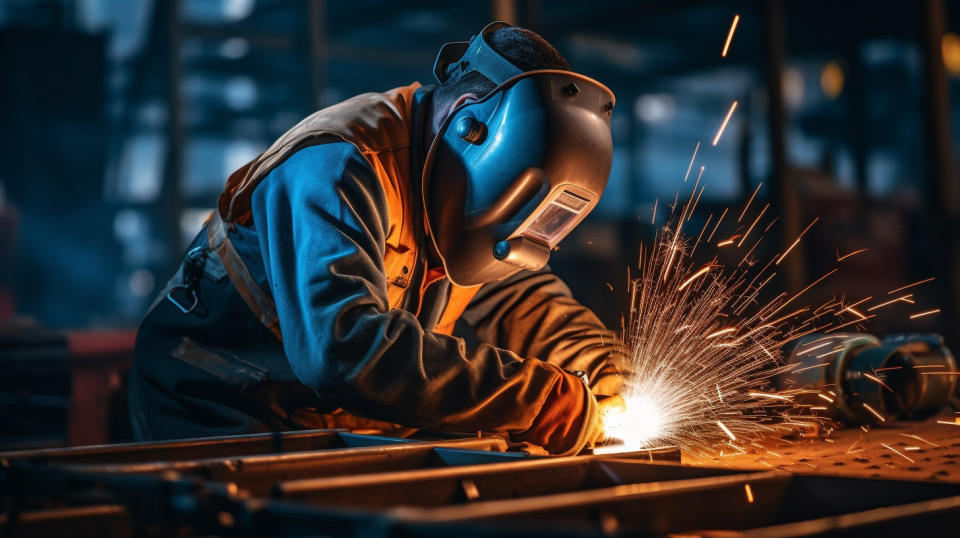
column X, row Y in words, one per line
column 379, row 125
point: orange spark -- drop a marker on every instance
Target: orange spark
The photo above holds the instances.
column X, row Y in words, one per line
column 726, row 430
column 891, row 292
column 720, row 332
column 750, row 229
column 854, row 311
column 695, row 276
column 804, row 290
column 726, row 46
column 705, row 224
column 746, row 487
column 689, row 166
column 918, row 438
column 897, row 452
column 874, row 412
column 750, row 201
column 854, row 253
column 716, row 139
column 697, row 201
column 784, row 255
column 724, row 214
column 908, row 298
column 766, row 395
column 925, row 313
column 877, row 380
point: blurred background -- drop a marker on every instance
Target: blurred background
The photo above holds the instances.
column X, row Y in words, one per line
column 123, row 118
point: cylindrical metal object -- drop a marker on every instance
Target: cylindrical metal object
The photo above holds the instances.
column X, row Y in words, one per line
column 858, row 378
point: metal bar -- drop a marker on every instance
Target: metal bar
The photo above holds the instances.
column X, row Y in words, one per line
column 93, row 521
column 257, row 473
column 667, row 507
column 187, row 449
column 492, row 481
column 931, row 518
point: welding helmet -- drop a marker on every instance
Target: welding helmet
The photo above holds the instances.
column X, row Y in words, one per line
column 507, row 177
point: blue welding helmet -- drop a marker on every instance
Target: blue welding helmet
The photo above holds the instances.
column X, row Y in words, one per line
column 507, row 177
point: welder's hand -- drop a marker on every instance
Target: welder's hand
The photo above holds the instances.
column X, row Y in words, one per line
column 608, row 406
column 568, row 419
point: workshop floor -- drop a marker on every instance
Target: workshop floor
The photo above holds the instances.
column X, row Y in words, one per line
column 927, row 450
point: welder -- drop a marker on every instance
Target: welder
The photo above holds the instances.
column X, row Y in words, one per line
column 325, row 288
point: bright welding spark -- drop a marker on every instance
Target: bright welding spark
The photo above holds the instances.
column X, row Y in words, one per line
column 908, row 298
column 695, row 276
column 676, row 305
column 689, row 166
column 897, row 452
column 733, row 28
column 873, row 412
column 750, row 201
column 954, row 423
column 854, row 253
column 918, row 438
column 855, row 312
column 724, row 214
column 925, row 313
column 726, row 430
column 653, row 219
column 720, row 332
column 877, row 380
column 804, row 369
column 716, row 139
column 765, row 395
column 784, row 255
column 638, row 423
column 755, row 221
column 823, row 396
column 891, row 292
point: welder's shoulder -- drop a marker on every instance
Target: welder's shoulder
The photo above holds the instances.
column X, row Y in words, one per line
column 325, row 177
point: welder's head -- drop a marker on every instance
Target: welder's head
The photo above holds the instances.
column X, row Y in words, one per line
column 519, row 161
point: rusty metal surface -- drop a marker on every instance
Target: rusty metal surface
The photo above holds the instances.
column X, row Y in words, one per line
column 928, row 450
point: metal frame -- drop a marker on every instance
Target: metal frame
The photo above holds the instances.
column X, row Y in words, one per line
column 343, row 484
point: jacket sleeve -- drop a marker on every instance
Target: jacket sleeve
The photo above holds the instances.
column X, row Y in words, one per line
column 321, row 220
column 534, row 314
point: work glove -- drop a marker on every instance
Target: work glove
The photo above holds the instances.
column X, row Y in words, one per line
column 571, row 418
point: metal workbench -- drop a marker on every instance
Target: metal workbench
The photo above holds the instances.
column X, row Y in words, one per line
column 335, row 483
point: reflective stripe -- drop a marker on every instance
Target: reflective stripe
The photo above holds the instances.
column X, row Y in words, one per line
column 259, row 302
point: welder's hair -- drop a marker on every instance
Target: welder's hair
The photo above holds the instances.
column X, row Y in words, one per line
column 523, row 48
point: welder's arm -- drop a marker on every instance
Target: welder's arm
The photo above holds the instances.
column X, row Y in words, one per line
column 321, row 218
column 534, row 315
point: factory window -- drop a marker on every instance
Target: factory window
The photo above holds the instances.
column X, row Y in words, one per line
column 141, row 166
